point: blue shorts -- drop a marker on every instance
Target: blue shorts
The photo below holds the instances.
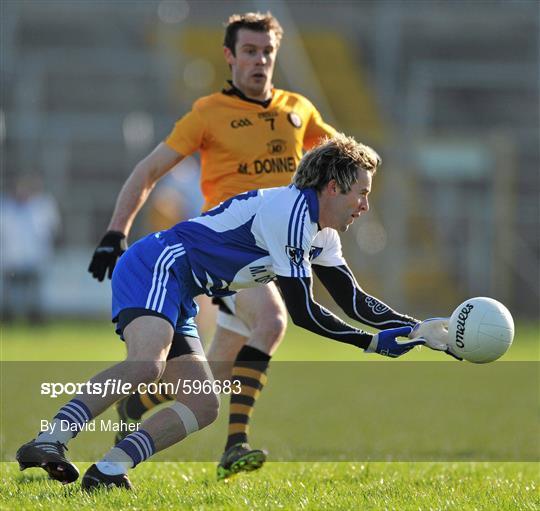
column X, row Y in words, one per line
column 155, row 276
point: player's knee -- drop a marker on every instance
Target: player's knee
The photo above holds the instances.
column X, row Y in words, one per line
column 272, row 326
column 152, row 370
column 207, row 409
column 147, row 370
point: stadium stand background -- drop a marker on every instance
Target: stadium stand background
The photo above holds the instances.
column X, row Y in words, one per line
column 446, row 91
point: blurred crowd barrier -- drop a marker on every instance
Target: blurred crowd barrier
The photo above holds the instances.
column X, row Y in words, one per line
column 447, row 92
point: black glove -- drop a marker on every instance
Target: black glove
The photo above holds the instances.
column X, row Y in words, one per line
column 110, row 248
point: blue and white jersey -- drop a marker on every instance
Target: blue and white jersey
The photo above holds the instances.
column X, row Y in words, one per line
column 249, row 239
column 245, row 242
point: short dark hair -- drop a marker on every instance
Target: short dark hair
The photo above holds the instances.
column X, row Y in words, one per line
column 255, row 21
column 339, row 158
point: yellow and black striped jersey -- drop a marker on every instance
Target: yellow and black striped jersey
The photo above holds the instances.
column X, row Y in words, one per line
column 244, row 145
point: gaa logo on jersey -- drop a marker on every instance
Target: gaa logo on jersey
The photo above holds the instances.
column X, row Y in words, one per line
column 276, row 146
column 241, row 123
column 295, row 254
column 294, row 119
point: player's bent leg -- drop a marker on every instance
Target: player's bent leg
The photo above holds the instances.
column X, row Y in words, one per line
column 148, row 340
column 189, row 412
column 223, row 351
column 192, row 410
column 249, row 374
column 131, row 409
column 263, row 311
column 221, row 355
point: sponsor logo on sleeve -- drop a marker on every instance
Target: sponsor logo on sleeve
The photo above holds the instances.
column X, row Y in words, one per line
column 376, row 306
column 295, row 254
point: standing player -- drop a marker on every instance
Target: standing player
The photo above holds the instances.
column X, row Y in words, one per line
column 248, row 240
column 249, row 136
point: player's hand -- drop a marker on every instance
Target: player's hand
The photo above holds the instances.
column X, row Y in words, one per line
column 110, row 248
column 434, row 331
column 384, row 343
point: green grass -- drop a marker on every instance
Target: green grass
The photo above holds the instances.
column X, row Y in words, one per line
column 89, row 340
column 347, row 486
column 298, row 485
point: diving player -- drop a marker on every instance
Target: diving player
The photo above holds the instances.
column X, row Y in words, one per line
column 279, row 233
column 249, row 136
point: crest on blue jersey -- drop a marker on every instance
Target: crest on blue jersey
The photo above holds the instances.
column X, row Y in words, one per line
column 314, row 252
column 295, row 254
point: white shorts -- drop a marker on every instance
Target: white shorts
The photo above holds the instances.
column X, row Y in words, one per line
column 231, row 321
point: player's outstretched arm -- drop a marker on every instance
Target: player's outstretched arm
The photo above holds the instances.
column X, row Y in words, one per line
column 308, row 314
column 131, row 198
column 342, row 286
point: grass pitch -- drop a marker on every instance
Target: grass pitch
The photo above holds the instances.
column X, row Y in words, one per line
column 347, row 486
column 76, row 340
column 292, row 485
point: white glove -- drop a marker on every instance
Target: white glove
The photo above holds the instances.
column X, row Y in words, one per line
column 434, row 331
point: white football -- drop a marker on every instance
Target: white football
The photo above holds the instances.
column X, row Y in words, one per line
column 480, row 330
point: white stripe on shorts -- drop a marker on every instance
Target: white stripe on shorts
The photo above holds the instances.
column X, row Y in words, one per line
column 163, row 277
column 161, row 268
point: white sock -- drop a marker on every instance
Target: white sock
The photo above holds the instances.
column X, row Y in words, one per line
column 115, row 462
column 55, row 434
column 111, row 468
